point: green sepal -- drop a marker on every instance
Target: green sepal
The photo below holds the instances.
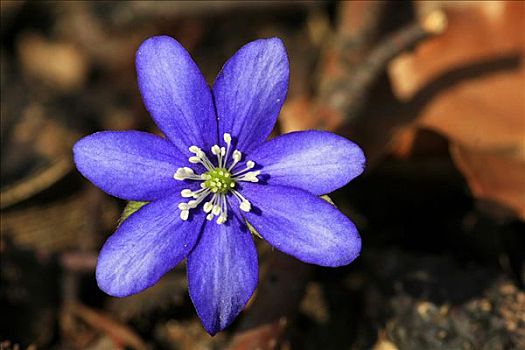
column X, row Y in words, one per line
column 252, row 229
column 329, row 200
column 130, row 208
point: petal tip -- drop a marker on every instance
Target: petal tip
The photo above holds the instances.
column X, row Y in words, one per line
column 344, row 255
column 106, row 284
column 276, row 41
column 360, row 158
column 81, row 150
column 155, row 40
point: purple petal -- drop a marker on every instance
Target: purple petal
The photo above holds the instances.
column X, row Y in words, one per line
column 175, row 93
column 303, row 225
column 148, row 244
column 250, row 90
column 131, row 165
column 222, row 273
column 316, row 161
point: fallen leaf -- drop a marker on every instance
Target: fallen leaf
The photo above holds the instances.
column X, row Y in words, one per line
column 468, row 84
column 492, row 176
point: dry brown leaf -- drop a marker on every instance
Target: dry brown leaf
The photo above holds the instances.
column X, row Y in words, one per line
column 59, row 64
column 492, row 176
column 475, row 32
column 487, row 113
column 474, row 82
column 296, row 115
column 263, row 337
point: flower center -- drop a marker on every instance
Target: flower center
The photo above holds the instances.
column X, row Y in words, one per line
column 220, row 180
column 217, row 182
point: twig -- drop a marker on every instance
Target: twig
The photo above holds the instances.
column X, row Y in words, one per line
column 36, row 183
column 344, row 98
column 120, row 333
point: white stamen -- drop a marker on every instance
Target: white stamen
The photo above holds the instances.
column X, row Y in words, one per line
column 200, row 157
column 228, row 139
column 245, row 206
column 184, row 214
column 186, row 193
column 250, row 176
column 244, row 203
column 182, row 174
column 207, row 207
column 216, row 150
column 194, row 149
column 237, row 155
column 236, row 159
column 249, row 165
column 198, row 193
column 224, row 207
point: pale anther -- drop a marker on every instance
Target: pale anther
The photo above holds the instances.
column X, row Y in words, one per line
column 207, row 207
column 245, row 206
column 237, row 155
column 186, row 193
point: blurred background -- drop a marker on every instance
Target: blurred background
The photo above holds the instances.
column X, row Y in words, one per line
column 433, row 91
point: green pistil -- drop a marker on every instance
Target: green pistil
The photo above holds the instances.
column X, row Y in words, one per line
column 219, row 180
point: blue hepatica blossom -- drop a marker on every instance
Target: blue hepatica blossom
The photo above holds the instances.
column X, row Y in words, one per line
column 213, row 172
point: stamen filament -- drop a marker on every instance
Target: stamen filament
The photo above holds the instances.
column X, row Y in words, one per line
column 249, row 165
column 236, row 159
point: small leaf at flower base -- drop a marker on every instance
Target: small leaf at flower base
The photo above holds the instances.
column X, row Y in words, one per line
column 130, row 208
column 329, row 200
column 252, row 230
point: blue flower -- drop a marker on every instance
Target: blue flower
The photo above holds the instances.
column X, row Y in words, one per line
column 214, row 172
